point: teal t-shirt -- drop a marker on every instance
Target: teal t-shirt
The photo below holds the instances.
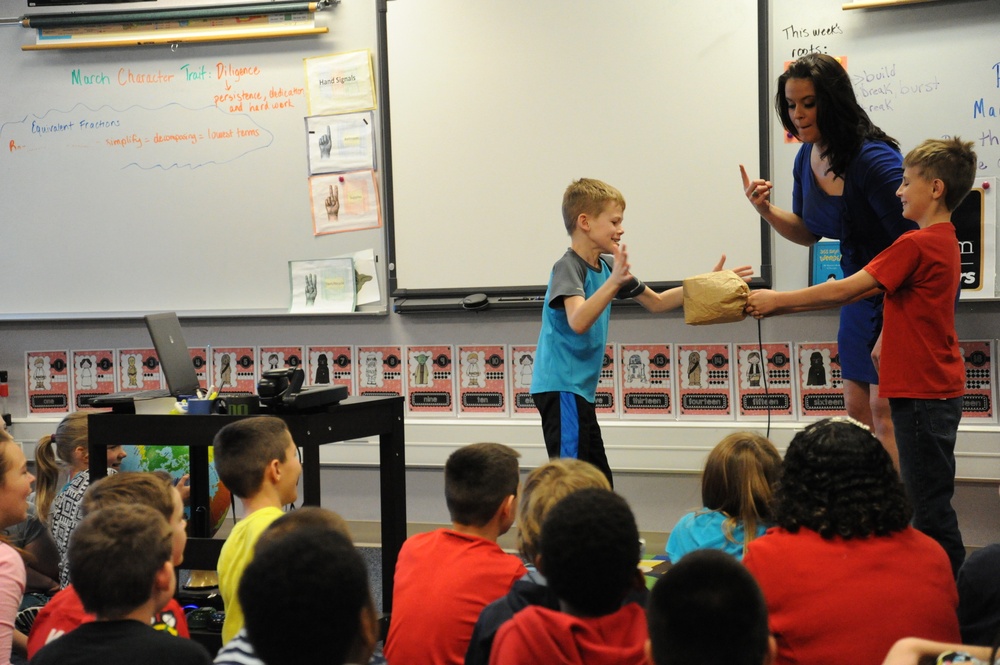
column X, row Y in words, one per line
column 702, row 529
column 566, row 361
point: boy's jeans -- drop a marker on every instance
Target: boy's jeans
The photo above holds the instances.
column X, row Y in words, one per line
column 925, row 435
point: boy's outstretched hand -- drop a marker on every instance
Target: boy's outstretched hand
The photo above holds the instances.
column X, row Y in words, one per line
column 745, row 272
column 761, row 303
column 621, row 272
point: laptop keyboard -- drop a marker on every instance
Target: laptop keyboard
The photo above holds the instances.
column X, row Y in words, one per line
column 149, row 394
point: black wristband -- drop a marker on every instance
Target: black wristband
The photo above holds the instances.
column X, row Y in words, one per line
column 631, row 289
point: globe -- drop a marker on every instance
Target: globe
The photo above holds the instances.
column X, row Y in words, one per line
column 176, row 461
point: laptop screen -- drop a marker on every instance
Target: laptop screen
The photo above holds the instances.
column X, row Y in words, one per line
column 172, row 350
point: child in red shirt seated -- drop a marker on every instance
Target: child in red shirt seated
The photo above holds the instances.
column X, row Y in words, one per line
column 590, row 558
column 445, row 577
column 65, row 611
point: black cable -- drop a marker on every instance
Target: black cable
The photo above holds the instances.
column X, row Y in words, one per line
column 764, row 360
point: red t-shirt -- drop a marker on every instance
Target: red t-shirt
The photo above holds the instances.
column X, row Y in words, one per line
column 443, row 581
column 839, row 601
column 920, row 273
column 64, row 612
column 540, row 636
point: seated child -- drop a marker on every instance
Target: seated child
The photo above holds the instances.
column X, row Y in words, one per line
column 445, row 577
column 140, row 543
column 590, row 557
column 65, row 611
column 978, row 608
column 240, row 650
column 979, row 596
column 543, row 488
column 708, row 609
column 15, row 486
column 736, row 492
column 42, row 566
column 63, row 461
column 843, row 572
column 258, row 461
column 332, row 624
column 59, row 457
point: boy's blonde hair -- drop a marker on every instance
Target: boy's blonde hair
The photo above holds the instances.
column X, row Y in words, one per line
column 739, row 479
column 543, row 488
column 147, row 488
column 952, row 161
column 589, row 196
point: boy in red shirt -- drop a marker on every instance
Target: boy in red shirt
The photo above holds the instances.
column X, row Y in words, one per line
column 444, row 578
column 589, row 554
column 65, row 612
column 920, row 368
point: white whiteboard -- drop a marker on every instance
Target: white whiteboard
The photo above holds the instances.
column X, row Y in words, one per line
column 497, row 105
column 921, row 71
column 200, row 226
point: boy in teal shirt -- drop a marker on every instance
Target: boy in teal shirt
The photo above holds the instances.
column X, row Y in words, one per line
column 570, row 354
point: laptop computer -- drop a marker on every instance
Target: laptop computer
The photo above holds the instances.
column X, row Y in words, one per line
column 175, row 363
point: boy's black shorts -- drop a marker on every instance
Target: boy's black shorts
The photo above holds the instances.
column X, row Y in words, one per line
column 570, row 428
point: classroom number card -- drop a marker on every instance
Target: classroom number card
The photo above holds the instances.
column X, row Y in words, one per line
column 47, row 374
column 606, row 397
column 764, row 386
column 234, row 369
column 139, row 369
column 330, row 366
column 280, row 357
column 482, row 380
column 93, row 375
column 522, row 365
column 647, row 382
column 380, row 371
column 704, row 381
column 430, row 379
column 199, row 358
column 821, row 385
column 980, row 387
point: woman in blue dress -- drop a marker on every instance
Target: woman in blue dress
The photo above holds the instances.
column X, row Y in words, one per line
column 845, row 178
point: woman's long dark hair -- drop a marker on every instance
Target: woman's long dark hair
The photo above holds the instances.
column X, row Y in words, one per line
column 843, row 124
column 838, row 480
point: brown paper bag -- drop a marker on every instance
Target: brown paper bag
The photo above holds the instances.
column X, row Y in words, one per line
column 715, row 297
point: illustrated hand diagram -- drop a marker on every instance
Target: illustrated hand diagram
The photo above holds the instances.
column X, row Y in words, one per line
column 310, row 289
column 333, row 203
column 325, row 144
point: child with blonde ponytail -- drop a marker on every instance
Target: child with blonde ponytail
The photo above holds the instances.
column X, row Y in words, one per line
column 62, row 460
column 59, row 457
